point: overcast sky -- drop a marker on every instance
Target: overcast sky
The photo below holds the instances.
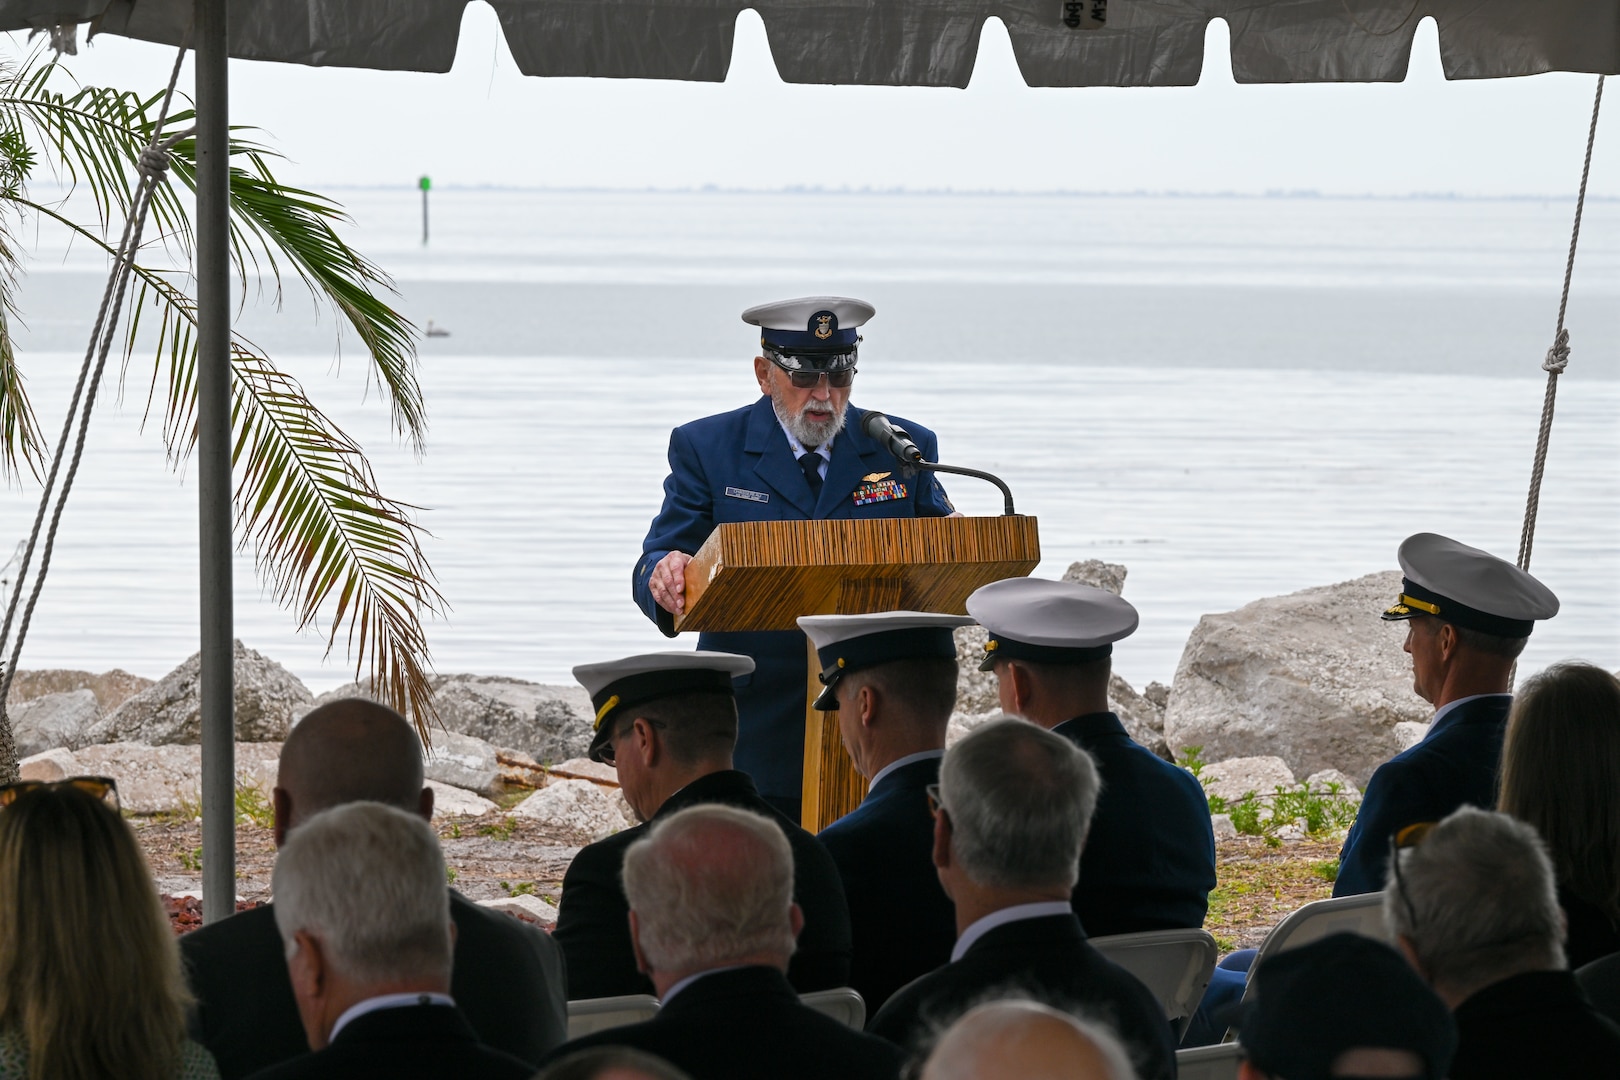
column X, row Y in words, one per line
column 483, row 123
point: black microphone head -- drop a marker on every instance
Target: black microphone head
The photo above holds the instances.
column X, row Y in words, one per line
column 873, row 423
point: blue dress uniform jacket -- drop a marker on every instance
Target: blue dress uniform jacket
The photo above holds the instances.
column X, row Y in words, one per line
column 1046, row 959
column 1149, row 860
column 593, row 914
column 902, row 923
column 1455, row 764
column 748, row 1024
column 738, row 466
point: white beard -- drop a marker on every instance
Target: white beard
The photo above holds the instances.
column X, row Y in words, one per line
column 811, row 428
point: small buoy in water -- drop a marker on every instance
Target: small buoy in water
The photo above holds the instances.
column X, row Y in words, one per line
column 435, row 331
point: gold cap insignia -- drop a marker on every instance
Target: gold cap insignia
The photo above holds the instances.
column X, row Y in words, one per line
column 823, row 327
column 992, row 645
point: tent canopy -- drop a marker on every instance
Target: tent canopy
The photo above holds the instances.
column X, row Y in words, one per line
column 898, row 42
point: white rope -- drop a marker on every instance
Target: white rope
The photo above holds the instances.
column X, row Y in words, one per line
column 153, row 165
column 1557, row 358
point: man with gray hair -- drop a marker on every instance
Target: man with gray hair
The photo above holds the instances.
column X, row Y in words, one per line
column 1014, row 803
column 365, row 921
column 509, row 976
column 713, row 923
column 1027, row 1040
column 1473, row 904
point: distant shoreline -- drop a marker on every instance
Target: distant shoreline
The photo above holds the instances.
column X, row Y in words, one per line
column 714, row 189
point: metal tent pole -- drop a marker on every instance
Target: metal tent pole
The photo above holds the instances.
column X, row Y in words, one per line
column 214, row 463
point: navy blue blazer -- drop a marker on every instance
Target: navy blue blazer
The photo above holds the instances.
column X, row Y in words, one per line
column 748, row 1024
column 901, row 922
column 1149, row 860
column 737, row 466
column 1454, row 765
column 1046, row 959
column 395, row 1044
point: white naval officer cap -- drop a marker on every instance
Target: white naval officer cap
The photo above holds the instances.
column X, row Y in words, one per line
column 1469, row 588
column 615, row 685
column 816, row 333
column 848, row 643
column 1049, row 622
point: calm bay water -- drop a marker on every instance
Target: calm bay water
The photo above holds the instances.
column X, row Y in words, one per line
column 1233, row 397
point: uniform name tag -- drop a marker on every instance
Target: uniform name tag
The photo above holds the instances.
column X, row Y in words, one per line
column 751, row 496
column 880, row 491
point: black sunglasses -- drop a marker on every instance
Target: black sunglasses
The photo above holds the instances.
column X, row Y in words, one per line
column 806, row 380
column 101, row 787
column 1409, row 837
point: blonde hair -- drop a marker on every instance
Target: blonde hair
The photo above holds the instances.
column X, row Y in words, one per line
column 89, row 968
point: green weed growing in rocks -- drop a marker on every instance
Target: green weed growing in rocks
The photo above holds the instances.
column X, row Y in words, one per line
column 253, row 808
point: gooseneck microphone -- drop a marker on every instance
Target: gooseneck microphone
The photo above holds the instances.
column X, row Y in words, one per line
column 897, row 441
column 879, row 428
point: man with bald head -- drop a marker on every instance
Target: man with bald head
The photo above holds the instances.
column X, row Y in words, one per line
column 1027, row 1040
column 508, row 978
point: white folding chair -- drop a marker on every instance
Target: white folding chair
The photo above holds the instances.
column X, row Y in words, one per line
column 1174, row 964
column 595, row 1014
column 1362, row 915
column 842, row 1004
column 1218, row 1062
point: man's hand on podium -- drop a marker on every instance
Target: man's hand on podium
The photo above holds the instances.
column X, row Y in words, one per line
column 668, row 582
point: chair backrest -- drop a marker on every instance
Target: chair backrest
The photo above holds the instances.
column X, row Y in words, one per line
column 1174, row 964
column 1362, row 915
column 1219, row 1062
column 594, row 1014
column 842, row 1004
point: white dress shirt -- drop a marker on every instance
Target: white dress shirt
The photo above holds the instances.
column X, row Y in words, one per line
column 824, row 451
column 387, row 1001
column 1016, row 913
column 900, row 763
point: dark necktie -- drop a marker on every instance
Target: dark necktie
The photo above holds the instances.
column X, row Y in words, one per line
column 811, row 464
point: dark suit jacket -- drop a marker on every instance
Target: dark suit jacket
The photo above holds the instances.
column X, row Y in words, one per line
column 903, row 923
column 738, row 466
column 1454, row 765
column 427, row 1041
column 1534, row 1025
column 1149, row 860
column 508, row 980
column 747, row 1024
column 1046, row 959
column 593, row 915
column 1592, row 934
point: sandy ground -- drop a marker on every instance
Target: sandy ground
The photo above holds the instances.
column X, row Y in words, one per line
column 494, row 856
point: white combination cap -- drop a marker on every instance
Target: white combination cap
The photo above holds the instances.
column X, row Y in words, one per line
column 846, row 643
column 1051, row 622
column 1469, row 588
column 636, row 680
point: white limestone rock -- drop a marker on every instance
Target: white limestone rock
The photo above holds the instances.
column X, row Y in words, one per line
column 49, row 767
column 111, row 688
column 463, row 761
column 54, row 720
column 578, row 806
column 1408, row 733
column 170, row 711
column 1314, row 677
column 1321, row 783
column 546, row 722
column 536, row 908
column 168, row 779
column 1222, row 824
column 1235, row 777
column 452, row 802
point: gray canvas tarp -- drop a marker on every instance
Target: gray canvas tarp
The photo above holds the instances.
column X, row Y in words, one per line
column 897, row 42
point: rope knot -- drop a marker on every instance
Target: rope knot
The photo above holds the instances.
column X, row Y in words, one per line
column 1557, row 356
column 154, row 162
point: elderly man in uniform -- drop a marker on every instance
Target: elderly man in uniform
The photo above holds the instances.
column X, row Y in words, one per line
column 667, row 723
column 1149, row 862
column 790, row 456
column 1468, row 615
column 891, row 680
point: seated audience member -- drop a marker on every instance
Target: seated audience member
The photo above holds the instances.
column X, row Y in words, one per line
column 610, row 1063
column 1014, row 804
column 365, row 921
column 1149, row 862
column 712, row 922
column 1473, row 906
column 1561, row 774
column 667, row 722
column 90, row 982
column 1029, row 1041
column 1468, row 615
column 1344, row 1006
column 508, row 976
column 891, row 682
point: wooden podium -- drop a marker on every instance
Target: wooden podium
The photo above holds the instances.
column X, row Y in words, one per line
column 763, row 575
